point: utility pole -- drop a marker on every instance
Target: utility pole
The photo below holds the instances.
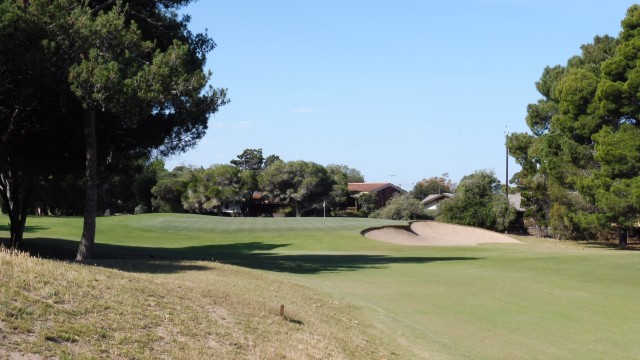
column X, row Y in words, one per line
column 506, row 180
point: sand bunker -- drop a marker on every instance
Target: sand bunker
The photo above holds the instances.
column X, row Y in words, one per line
column 437, row 234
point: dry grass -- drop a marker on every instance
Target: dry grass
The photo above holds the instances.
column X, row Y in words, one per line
column 172, row 310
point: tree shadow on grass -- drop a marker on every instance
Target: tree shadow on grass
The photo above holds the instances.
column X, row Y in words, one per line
column 631, row 246
column 255, row 255
column 27, row 228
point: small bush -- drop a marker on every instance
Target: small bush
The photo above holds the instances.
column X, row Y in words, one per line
column 401, row 207
column 367, row 203
column 140, row 209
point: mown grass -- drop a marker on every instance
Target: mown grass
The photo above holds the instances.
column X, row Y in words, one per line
column 538, row 300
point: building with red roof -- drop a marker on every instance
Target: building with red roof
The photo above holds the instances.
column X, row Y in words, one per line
column 384, row 191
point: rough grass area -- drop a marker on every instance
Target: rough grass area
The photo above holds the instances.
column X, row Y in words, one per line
column 176, row 309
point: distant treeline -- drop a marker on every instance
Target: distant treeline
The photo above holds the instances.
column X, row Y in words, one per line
column 250, row 185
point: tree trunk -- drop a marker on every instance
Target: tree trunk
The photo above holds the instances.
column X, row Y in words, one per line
column 18, row 222
column 20, row 219
column 6, row 197
column 296, row 205
column 85, row 249
column 622, row 236
column 16, row 193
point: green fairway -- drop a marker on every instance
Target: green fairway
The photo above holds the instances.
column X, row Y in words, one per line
column 540, row 299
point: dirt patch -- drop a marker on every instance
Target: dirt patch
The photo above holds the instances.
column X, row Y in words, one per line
column 20, row 356
column 431, row 233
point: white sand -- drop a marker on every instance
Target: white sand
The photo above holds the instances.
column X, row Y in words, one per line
column 438, row 234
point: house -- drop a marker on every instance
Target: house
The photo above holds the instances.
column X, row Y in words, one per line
column 231, row 208
column 515, row 200
column 384, row 191
column 432, row 201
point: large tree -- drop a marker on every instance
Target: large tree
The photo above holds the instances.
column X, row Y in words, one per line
column 251, row 162
column 169, row 190
column 18, row 89
column 208, row 189
column 133, row 68
column 301, row 184
column 615, row 184
column 250, row 159
column 341, row 176
column 37, row 138
column 580, row 164
column 557, row 156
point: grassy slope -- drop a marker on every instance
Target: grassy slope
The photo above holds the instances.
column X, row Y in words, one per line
column 540, row 299
column 178, row 310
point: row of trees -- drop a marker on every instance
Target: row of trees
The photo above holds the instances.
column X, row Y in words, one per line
column 251, row 179
column 137, row 186
column 87, row 86
column 581, row 162
column 260, row 186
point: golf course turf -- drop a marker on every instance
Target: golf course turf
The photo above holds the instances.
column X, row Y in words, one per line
column 539, row 299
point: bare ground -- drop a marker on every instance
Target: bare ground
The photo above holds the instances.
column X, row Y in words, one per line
column 431, row 233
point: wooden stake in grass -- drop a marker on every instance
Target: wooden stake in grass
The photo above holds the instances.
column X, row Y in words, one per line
column 282, row 310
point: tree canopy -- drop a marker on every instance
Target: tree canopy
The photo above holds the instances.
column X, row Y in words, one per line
column 580, row 172
column 300, row 183
column 128, row 78
column 433, row 185
column 299, row 187
column 250, row 159
column 37, row 139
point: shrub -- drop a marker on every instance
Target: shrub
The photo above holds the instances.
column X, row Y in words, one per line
column 478, row 202
column 503, row 214
column 401, row 207
column 367, row 203
column 140, row 209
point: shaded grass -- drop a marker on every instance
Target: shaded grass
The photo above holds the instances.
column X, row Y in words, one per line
column 251, row 255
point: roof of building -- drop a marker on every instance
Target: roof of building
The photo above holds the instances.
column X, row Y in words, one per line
column 371, row 187
column 257, row 195
column 435, row 198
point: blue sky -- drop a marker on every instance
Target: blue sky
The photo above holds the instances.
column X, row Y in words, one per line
column 401, row 90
